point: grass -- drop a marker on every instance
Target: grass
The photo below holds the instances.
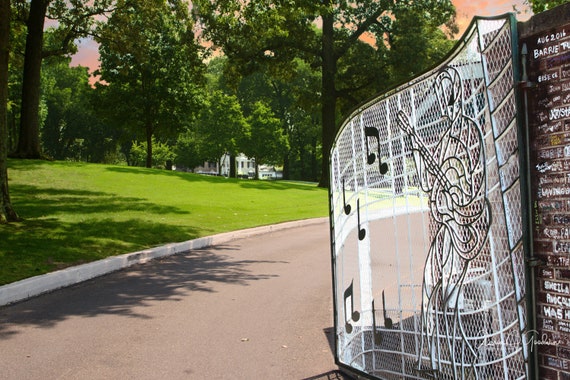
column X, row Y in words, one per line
column 75, row 213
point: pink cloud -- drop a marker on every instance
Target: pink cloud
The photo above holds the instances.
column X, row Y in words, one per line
column 487, row 8
column 467, row 9
column 87, row 54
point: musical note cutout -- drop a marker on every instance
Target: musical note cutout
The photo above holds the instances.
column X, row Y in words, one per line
column 361, row 231
column 371, row 132
column 387, row 321
column 346, row 206
column 377, row 334
column 354, row 315
column 371, row 157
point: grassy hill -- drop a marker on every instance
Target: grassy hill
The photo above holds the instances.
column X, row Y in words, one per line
column 75, row 212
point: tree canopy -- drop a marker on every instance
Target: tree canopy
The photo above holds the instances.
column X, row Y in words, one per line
column 152, row 66
column 300, row 62
column 264, row 138
column 325, row 34
column 73, row 20
column 538, row 6
column 7, row 212
column 220, row 124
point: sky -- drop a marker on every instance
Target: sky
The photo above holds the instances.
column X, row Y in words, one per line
column 467, row 9
column 87, row 54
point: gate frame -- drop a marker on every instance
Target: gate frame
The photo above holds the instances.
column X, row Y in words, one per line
column 521, row 86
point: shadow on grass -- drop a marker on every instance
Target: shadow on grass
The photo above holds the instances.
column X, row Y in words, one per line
column 42, row 242
column 125, row 292
column 278, row 185
column 34, row 202
column 245, row 183
column 161, row 172
column 36, row 247
column 25, row 164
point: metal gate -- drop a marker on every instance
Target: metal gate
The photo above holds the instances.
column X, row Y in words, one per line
column 426, row 226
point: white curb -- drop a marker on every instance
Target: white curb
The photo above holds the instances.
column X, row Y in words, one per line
column 34, row 286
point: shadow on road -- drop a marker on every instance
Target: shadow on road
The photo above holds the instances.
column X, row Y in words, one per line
column 127, row 292
column 329, row 333
column 331, row 375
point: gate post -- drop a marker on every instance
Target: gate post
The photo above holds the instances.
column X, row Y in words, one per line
column 526, row 85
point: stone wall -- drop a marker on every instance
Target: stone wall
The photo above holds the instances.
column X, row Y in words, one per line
column 546, row 37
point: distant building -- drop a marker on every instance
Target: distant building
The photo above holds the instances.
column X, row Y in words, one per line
column 270, row 172
column 209, row 168
column 245, row 168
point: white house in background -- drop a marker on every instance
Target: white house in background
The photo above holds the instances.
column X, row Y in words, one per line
column 269, row 172
column 245, row 168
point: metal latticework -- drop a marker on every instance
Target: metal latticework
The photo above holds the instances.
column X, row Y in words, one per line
column 427, row 237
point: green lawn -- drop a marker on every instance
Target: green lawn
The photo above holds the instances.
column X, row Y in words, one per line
column 75, row 212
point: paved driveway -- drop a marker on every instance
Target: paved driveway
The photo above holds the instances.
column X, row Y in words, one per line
column 254, row 308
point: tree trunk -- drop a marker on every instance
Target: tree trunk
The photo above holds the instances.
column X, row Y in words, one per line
column 233, row 166
column 286, row 166
column 12, row 130
column 314, row 162
column 29, row 136
column 7, row 212
column 329, row 95
column 149, row 131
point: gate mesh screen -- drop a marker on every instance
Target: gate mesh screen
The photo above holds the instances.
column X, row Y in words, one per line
column 426, row 222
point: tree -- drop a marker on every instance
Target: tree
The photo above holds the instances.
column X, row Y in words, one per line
column 153, row 67
column 187, row 151
column 74, row 21
column 292, row 100
column 163, row 155
column 67, row 131
column 29, row 137
column 303, row 124
column 413, row 34
column 7, row 212
column 544, row 5
column 275, row 32
column 219, row 125
column 15, row 71
column 264, row 140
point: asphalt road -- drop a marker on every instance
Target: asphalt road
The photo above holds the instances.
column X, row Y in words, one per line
column 255, row 308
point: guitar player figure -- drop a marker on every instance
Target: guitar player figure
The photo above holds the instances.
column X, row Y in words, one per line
column 452, row 174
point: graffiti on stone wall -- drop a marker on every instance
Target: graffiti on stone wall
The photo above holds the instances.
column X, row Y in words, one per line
column 548, row 59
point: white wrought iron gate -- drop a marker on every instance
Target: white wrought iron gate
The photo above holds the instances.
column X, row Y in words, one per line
column 426, row 226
